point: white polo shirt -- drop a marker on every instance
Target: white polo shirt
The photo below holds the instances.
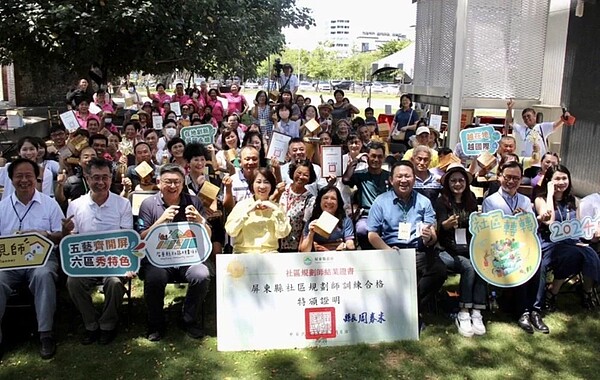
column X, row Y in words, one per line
column 114, row 214
column 41, row 213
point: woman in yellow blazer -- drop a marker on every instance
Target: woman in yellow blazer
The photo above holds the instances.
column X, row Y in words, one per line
column 256, row 223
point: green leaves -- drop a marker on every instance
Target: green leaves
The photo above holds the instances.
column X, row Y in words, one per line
column 154, row 36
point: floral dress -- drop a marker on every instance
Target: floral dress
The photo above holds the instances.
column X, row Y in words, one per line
column 295, row 207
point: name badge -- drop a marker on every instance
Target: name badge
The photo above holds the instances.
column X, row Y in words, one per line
column 460, row 235
column 404, row 231
column 263, row 122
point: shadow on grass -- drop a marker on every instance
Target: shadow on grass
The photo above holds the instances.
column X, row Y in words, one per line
column 568, row 352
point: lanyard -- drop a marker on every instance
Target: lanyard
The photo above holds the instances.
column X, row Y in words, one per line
column 404, row 210
column 512, row 208
column 17, row 214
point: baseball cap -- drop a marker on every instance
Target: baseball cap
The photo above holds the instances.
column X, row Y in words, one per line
column 422, row 130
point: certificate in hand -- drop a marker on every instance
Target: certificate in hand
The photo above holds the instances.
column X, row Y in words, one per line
column 333, row 164
column 278, row 146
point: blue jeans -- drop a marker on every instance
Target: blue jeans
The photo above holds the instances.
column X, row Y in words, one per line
column 473, row 289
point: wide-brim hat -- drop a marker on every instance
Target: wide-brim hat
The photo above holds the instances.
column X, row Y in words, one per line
column 454, row 168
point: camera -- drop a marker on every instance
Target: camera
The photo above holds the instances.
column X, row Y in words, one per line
column 277, row 66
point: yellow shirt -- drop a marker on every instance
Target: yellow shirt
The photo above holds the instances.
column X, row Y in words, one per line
column 435, row 161
column 257, row 231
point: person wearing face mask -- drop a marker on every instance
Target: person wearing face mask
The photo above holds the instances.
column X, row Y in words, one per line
column 133, row 100
column 169, row 131
column 285, row 124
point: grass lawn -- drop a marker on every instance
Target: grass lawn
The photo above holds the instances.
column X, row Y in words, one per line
column 570, row 351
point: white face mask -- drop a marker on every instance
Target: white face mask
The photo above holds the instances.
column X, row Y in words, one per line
column 170, row 132
column 108, row 121
column 132, row 89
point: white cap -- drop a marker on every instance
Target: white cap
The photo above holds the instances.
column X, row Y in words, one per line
column 422, row 130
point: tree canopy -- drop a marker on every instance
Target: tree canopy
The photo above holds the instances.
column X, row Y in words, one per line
column 152, row 36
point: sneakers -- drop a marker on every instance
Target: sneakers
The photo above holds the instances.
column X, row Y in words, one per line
column 463, row 322
column 477, row 323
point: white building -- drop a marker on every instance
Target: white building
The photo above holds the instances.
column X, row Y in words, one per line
column 344, row 39
column 340, row 37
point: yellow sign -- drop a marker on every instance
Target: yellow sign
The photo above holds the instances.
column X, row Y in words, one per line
column 505, row 249
column 24, row 251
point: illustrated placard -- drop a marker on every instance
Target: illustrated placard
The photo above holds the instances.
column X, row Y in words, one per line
column 505, row 249
column 24, row 251
column 115, row 253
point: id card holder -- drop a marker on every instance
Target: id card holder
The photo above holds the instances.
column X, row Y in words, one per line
column 263, row 122
column 460, row 236
column 404, row 230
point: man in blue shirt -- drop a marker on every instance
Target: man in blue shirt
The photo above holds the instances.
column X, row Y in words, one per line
column 511, row 202
column 403, row 218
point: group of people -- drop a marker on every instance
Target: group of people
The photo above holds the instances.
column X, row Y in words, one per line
column 80, row 182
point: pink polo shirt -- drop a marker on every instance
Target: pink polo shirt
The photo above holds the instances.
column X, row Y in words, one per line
column 217, row 109
column 161, row 98
column 181, row 99
column 235, row 103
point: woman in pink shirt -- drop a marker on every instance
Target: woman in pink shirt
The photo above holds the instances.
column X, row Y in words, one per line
column 236, row 102
column 217, row 107
column 160, row 95
column 82, row 114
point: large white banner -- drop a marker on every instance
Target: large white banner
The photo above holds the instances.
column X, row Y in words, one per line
column 294, row 300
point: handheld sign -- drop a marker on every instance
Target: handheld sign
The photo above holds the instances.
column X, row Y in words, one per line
column 115, row 253
column 325, row 299
column 204, row 134
column 278, row 146
column 101, row 254
column 69, row 120
column 475, row 141
column 24, row 251
column 574, row 229
column 332, row 161
column 435, row 121
column 177, row 244
column 505, row 249
column 157, row 122
column 176, row 107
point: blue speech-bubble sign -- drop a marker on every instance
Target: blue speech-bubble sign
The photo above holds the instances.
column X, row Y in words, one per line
column 475, row 141
column 101, row 254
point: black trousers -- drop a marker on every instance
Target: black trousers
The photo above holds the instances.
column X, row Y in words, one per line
column 431, row 275
column 155, row 281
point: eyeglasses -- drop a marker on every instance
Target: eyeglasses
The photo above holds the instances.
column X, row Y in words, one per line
column 457, row 180
column 171, row 182
column 512, row 178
